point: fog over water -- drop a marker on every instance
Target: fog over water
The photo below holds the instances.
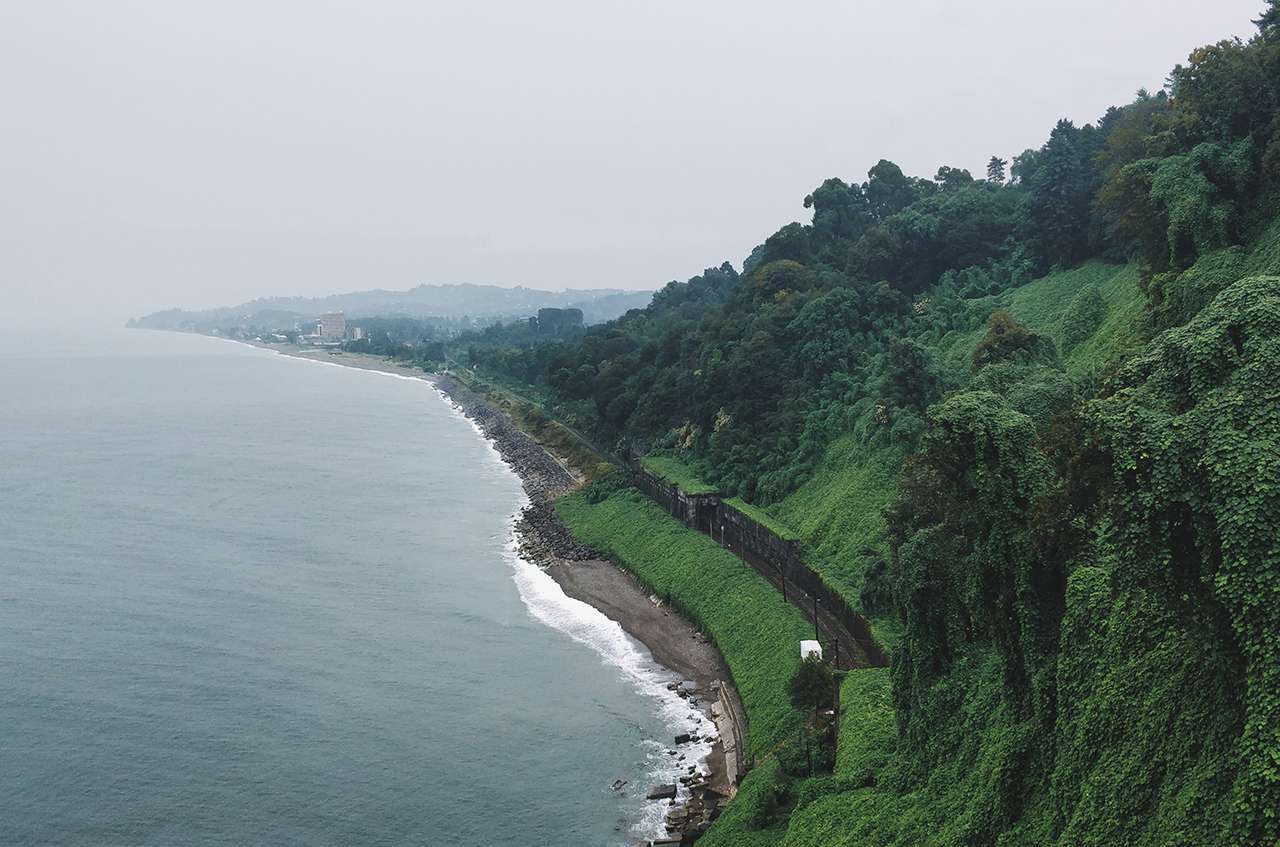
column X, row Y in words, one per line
column 187, row 154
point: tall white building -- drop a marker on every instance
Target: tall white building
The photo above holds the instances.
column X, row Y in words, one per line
column 331, row 327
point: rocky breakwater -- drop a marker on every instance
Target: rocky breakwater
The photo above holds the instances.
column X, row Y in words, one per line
column 544, row 476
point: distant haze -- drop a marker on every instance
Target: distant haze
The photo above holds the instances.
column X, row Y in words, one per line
column 178, row 154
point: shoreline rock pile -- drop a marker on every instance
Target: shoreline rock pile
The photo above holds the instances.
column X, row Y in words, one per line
column 542, row 476
column 544, row 539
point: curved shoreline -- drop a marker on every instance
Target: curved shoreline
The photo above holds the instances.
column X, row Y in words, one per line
column 673, row 642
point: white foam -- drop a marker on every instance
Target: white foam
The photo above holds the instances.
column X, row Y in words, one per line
column 587, row 625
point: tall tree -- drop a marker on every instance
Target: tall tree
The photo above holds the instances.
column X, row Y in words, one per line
column 995, row 170
column 949, row 178
column 1269, row 23
column 1060, row 196
column 887, row 189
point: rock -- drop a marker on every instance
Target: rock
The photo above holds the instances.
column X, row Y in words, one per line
column 662, row 792
column 682, row 738
column 543, row 477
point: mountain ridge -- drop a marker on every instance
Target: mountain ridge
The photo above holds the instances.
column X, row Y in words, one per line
column 438, row 300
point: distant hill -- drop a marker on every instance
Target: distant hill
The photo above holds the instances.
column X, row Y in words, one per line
column 424, row 301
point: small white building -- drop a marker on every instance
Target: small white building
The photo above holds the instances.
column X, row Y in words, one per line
column 810, row 648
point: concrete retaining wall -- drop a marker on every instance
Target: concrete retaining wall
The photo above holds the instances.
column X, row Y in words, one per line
column 777, row 559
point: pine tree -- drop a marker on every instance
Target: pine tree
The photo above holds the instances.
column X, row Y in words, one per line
column 1269, row 23
column 995, row 170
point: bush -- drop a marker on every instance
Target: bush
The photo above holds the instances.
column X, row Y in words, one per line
column 811, row 685
column 1008, row 339
column 1084, row 315
column 605, row 485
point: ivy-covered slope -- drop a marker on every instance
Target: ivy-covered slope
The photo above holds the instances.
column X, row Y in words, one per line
column 1094, row 315
column 1193, row 443
column 1091, row 646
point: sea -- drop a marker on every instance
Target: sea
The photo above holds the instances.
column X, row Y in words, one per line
column 248, row 599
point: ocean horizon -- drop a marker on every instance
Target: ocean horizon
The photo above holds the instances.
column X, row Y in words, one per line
column 253, row 599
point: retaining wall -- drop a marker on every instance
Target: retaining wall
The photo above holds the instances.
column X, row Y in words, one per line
column 777, row 559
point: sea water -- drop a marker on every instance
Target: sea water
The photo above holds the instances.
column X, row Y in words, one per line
column 248, row 599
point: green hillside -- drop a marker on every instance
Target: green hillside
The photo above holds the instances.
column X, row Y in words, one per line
column 840, row 510
column 1029, row 424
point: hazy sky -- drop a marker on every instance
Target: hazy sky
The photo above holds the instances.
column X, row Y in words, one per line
column 189, row 154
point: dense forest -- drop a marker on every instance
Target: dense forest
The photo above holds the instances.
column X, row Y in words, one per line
column 1057, row 384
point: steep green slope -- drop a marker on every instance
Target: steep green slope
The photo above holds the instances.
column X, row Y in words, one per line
column 1030, row 427
column 1141, row 706
column 1130, row 735
column 839, row 511
column 1146, row 733
column 839, row 514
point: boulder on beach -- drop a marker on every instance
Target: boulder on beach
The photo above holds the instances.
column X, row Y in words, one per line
column 662, row 792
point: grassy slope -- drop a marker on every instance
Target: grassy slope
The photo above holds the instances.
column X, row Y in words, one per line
column 838, row 514
column 746, row 617
column 866, row 737
column 677, row 473
column 1042, row 306
column 839, row 521
column 763, row 518
column 735, row 827
column 867, row 729
column 839, row 511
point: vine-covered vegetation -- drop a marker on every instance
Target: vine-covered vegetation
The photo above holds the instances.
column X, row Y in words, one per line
column 1030, row 423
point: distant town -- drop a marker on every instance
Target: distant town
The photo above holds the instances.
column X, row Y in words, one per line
column 416, row 324
column 333, row 330
column 328, row 330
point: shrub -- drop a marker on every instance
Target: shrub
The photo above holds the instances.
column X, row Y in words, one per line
column 811, row 685
column 1083, row 316
column 1006, row 339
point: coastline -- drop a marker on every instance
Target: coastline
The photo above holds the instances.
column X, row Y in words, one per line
column 674, row 643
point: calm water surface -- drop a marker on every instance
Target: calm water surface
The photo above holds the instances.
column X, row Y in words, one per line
column 246, row 599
